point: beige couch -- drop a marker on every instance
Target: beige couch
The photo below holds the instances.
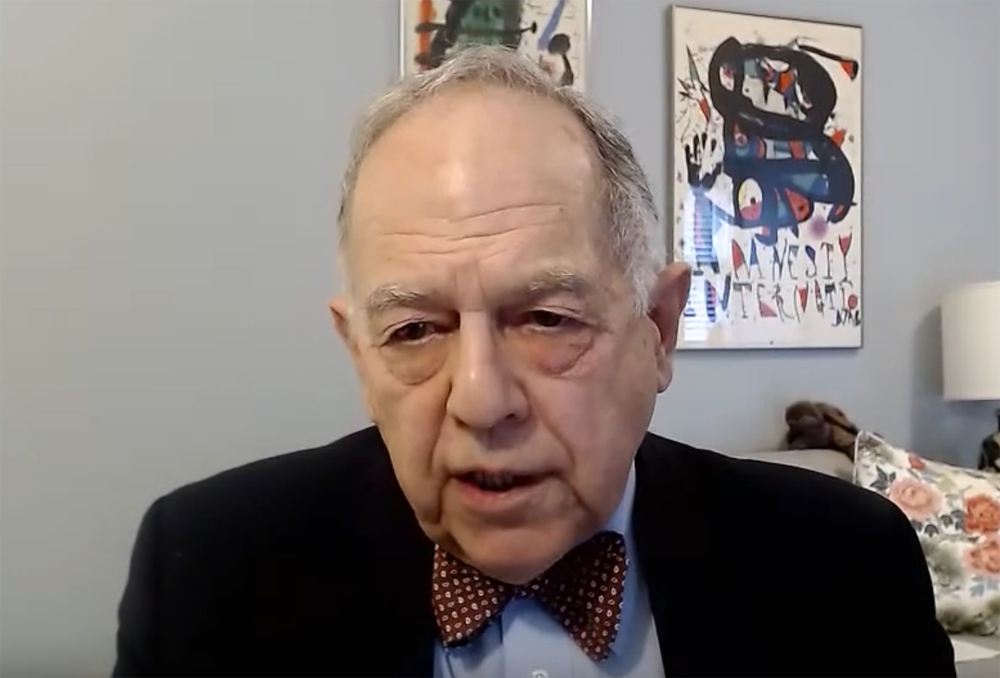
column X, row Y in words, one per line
column 837, row 464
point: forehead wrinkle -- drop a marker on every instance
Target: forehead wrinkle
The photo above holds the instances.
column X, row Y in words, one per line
column 380, row 226
column 550, row 212
column 413, row 252
column 487, row 234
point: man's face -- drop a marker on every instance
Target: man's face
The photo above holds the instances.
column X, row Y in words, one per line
column 495, row 340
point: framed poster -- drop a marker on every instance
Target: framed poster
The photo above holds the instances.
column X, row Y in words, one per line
column 555, row 33
column 766, row 176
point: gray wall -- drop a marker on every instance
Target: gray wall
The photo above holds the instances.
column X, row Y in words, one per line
column 168, row 189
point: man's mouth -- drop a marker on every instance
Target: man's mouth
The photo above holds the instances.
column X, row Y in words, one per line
column 497, row 481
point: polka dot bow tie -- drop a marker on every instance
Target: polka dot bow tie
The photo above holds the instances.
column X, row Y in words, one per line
column 583, row 592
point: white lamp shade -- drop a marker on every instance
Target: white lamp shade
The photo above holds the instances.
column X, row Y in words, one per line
column 970, row 342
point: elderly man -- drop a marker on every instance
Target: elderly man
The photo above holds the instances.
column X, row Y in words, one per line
column 511, row 318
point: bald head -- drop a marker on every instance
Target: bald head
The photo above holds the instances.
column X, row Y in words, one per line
column 627, row 212
column 472, row 151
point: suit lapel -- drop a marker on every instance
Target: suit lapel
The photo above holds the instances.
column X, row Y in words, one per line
column 667, row 534
column 400, row 575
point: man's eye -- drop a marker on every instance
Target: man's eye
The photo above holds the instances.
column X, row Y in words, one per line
column 549, row 320
column 411, row 333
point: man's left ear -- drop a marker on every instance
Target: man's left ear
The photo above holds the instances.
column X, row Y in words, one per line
column 340, row 310
column 667, row 304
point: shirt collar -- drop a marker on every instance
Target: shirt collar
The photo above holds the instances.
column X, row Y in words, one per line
column 621, row 519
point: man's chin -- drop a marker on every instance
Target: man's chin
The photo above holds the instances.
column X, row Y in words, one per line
column 513, row 555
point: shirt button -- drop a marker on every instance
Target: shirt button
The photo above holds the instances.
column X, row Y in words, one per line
column 538, row 673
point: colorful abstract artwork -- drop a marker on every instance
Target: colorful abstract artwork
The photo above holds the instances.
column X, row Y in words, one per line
column 552, row 32
column 766, row 174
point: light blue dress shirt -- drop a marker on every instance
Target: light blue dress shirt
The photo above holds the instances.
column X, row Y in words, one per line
column 527, row 642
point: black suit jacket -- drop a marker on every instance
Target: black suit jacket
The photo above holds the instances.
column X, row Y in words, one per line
column 312, row 563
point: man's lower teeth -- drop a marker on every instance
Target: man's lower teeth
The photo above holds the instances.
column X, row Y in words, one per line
column 497, row 486
column 494, row 484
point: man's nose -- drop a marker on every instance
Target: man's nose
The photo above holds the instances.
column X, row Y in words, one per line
column 484, row 393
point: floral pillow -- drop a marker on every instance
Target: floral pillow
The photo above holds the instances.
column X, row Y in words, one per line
column 956, row 513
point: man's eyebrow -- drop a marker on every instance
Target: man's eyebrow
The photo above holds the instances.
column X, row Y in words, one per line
column 556, row 281
column 393, row 295
column 546, row 283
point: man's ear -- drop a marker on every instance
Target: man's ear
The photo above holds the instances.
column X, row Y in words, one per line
column 666, row 307
column 340, row 309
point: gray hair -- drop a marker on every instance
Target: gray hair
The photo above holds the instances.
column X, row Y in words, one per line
column 629, row 210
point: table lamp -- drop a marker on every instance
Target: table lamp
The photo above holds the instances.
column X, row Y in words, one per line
column 970, row 347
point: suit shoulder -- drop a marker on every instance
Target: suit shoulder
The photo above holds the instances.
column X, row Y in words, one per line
column 355, row 452
column 274, row 490
column 776, row 494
